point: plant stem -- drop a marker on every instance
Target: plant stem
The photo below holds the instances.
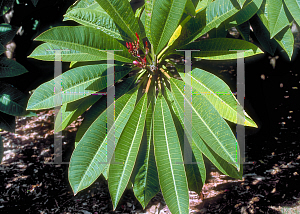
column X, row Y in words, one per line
column 165, row 73
column 148, row 84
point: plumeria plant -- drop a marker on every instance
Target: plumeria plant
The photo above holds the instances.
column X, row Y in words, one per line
column 148, row 147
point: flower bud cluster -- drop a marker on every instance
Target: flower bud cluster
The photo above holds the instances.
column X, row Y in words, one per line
column 134, row 48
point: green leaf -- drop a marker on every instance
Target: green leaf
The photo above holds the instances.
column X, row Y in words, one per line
column 34, row 2
column 195, row 172
column 172, row 177
column 249, row 9
column 190, row 8
column 211, row 17
column 202, row 5
column 164, row 18
column 241, row 2
column 219, row 48
column 121, row 12
column 244, row 30
column 198, row 145
column 7, row 122
column 99, row 20
column 276, row 16
column 46, row 52
column 294, row 8
column 5, row 6
column 1, row 149
column 2, row 49
column 71, row 111
column 210, row 125
column 262, row 33
column 94, row 112
column 218, row 93
column 126, row 151
column 12, row 101
column 86, row 40
column 10, row 68
column 87, row 161
column 146, row 183
column 76, row 83
column 285, row 39
column 7, row 33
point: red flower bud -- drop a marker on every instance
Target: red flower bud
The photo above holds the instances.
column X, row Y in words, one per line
column 136, row 63
column 144, row 60
column 127, row 45
column 131, row 48
column 137, row 36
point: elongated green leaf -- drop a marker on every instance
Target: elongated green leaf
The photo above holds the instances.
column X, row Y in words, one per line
column 199, row 146
column 202, row 5
column 7, row 122
column 11, row 68
column 76, row 83
column 262, row 33
column 195, row 172
column 219, row 48
column 210, row 125
column 121, row 12
column 276, row 16
column 172, row 177
column 90, row 156
column 294, row 8
column 1, row 149
column 146, row 183
column 285, row 39
column 47, row 51
column 126, row 151
column 99, row 20
column 12, row 101
column 218, row 93
column 164, row 18
column 86, row 40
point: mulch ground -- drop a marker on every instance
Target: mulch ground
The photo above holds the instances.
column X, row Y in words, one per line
column 29, row 183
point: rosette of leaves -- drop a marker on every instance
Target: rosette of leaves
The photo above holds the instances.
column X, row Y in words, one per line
column 144, row 147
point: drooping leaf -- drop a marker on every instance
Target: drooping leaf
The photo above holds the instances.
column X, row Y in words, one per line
column 285, row 39
column 90, row 156
column 244, row 30
column 10, row 68
column 210, row 125
column 76, row 83
column 169, row 161
column 121, row 12
column 86, row 40
column 199, row 146
column 99, row 20
column 7, row 122
column 12, row 101
column 262, row 34
column 162, row 19
column 126, row 151
column 294, row 8
column 219, row 48
column 276, row 16
column 218, row 94
column 146, row 183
